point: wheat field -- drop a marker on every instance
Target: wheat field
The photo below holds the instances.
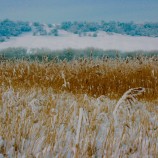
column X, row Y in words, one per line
column 82, row 108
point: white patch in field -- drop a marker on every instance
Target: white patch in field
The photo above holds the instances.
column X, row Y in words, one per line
column 69, row 40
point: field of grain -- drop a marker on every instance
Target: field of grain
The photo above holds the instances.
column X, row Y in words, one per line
column 82, row 108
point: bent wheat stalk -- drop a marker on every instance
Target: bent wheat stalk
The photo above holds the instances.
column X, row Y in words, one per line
column 129, row 97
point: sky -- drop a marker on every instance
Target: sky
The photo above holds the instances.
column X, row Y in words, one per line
column 56, row 11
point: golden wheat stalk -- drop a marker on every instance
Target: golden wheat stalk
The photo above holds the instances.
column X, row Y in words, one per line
column 129, row 97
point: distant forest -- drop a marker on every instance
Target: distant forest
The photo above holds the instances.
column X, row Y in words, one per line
column 10, row 28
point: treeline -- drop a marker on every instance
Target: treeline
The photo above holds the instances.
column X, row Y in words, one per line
column 39, row 29
column 69, row 54
column 10, row 28
column 146, row 29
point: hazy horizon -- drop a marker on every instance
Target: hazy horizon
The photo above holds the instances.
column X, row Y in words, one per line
column 56, row 11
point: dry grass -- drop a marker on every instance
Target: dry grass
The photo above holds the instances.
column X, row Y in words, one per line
column 39, row 123
column 100, row 77
column 49, row 109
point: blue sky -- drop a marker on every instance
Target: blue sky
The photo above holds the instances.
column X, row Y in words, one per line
column 56, row 11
